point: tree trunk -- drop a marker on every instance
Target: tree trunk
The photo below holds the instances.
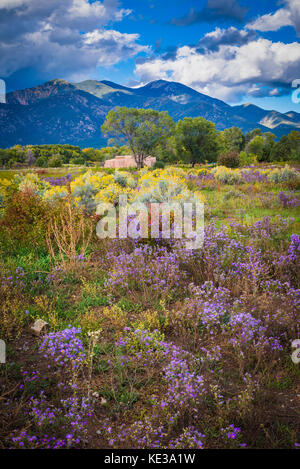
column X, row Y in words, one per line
column 139, row 159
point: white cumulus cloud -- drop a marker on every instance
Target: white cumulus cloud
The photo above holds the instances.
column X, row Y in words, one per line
column 63, row 38
column 289, row 15
column 229, row 71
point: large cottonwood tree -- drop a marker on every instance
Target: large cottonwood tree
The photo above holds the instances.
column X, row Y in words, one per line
column 141, row 129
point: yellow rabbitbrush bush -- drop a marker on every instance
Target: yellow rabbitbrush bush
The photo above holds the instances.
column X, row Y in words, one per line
column 146, row 177
column 173, row 172
column 165, row 186
column 88, row 190
column 4, row 185
column 12, row 318
column 148, row 320
column 198, row 172
column 96, row 180
column 91, row 321
column 55, row 193
column 85, row 187
column 124, row 179
column 31, row 182
column 110, row 194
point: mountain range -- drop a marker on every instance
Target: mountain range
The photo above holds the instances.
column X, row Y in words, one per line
column 62, row 112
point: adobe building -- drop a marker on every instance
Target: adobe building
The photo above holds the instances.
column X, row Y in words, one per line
column 127, row 161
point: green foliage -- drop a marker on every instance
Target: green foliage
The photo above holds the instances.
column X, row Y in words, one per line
column 288, row 148
column 261, row 146
column 78, row 160
column 105, row 153
column 197, row 140
column 256, row 147
column 24, row 221
column 231, row 140
column 42, row 162
column 247, row 159
column 159, row 165
column 226, row 175
column 253, row 133
column 141, row 129
column 38, row 155
column 55, row 161
column 285, row 175
column 167, row 150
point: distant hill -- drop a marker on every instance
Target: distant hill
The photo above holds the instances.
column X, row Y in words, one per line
column 278, row 123
column 62, row 112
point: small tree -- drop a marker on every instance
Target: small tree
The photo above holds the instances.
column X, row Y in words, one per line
column 30, row 158
column 253, row 133
column 231, row 139
column 287, row 148
column 197, row 140
column 256, row 147
column 141, row 129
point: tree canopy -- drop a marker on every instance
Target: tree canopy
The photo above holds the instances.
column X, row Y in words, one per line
column 141, row 129
column 197, row 140
column 231, row 139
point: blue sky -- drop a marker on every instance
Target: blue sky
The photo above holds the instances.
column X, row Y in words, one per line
column 235, row 50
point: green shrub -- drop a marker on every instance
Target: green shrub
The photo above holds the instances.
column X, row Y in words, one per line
column 227, row 175
column 159, row 165
column 286, row 175
column 24, row 221
column 230, row 160
column 55, row 161
column 121, row 178
column 247, row 159
column 42, row 162
column 78, row 160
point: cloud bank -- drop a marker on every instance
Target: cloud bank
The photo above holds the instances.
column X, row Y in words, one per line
column 228, row 64
column 62, row 38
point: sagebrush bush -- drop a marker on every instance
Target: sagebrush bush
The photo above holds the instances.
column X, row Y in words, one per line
column 227, row 175
column 286, row 175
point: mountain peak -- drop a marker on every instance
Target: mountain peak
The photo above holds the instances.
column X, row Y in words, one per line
column 115, row 86
column 160, row 82
column 57, row 81
column 166, row 88
column 250, row 106
column 100, row 88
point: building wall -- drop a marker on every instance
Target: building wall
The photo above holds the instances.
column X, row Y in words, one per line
column 127, row 161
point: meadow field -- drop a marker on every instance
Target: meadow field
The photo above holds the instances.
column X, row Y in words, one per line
column 149, row 344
